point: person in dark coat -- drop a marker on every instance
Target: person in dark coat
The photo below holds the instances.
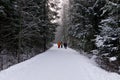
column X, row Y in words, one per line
column 61, row 44
column 65, row 45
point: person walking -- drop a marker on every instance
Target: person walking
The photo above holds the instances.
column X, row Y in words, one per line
column 65, row 45
column 59, row 44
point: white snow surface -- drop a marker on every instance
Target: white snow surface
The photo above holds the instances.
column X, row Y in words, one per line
column 57, row 64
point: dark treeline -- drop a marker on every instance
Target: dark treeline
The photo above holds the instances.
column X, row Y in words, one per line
column 94, row 26
column 26, row 29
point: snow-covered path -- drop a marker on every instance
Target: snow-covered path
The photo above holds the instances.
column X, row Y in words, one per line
column 57, row 64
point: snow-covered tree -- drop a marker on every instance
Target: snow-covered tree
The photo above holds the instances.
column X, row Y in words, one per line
column 109, row 39
column 95, row 28
column 9, row 24
column 26, row 28
column 81, row 30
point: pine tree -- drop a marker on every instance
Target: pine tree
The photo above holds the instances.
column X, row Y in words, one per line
column 109, row 36
column 9, row 24
column 26, row 28
column 81, row 28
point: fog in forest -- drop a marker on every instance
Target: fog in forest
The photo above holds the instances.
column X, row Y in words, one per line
column 59, row 30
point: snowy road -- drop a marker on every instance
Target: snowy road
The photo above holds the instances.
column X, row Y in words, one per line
column 57, row 64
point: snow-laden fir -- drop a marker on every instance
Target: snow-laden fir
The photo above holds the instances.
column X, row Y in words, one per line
column 57, row 64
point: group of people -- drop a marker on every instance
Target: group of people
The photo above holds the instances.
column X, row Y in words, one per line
column 61, row 44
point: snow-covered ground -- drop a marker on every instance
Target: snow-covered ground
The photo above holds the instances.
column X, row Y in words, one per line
column 57, row 64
